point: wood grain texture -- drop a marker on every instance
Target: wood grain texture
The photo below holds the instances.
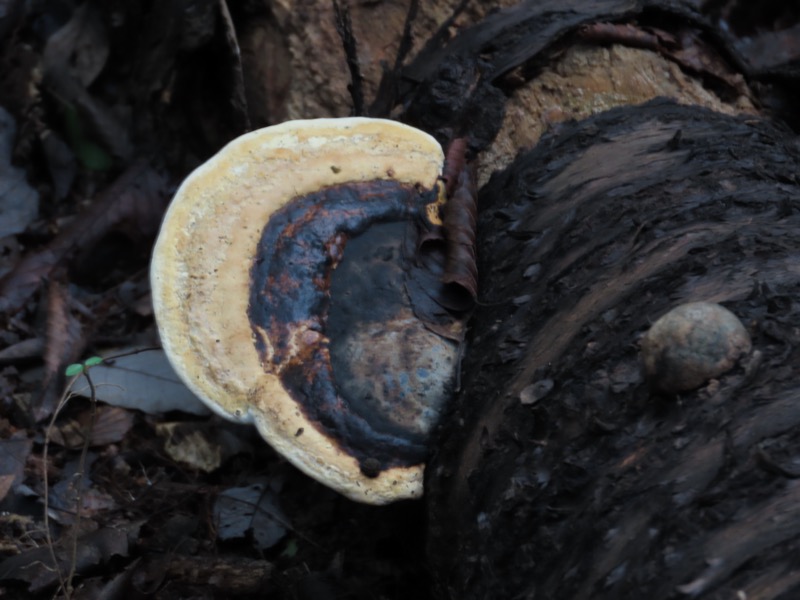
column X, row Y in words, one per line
column 598, row 488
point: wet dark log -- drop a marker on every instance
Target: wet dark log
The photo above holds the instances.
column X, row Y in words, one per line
column 560, row 474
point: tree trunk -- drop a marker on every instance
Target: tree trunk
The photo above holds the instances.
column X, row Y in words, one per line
column 561, row 475
column 562, row 472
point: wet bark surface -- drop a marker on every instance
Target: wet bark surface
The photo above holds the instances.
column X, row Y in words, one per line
column 559, row 473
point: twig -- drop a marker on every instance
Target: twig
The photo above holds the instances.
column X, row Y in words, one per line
column 79, row 477
column 389, row 86
column 344, row 26
column 45, row 451
column 65, row 585
column 405, row 42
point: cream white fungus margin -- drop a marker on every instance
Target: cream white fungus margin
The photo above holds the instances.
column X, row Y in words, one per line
column 200, row 275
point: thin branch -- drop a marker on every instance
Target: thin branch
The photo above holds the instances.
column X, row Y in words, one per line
column 65, row 585
column 46, row 482
column 389, row 86
column 407, row 39
column 79, row 477
column 344, row 26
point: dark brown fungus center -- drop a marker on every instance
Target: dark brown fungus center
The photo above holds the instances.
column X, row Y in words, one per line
column 332, row 274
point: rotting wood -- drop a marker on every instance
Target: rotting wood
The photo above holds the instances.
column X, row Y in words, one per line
column 600, row 489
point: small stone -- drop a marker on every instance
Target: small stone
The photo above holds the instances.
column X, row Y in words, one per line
column 536, row 391
column 692, row 344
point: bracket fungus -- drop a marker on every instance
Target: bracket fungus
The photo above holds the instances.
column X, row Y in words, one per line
column 300, row 283
column 691, row 344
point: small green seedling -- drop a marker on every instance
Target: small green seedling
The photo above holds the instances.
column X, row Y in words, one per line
column 78, row 368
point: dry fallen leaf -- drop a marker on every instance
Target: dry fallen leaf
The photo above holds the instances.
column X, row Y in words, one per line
column 13, row 454
column 19, row 202
column 36, row 568
column 254, row 508
column 201, row 446
column 110, row 426
column 75, row 484
column 144, row 381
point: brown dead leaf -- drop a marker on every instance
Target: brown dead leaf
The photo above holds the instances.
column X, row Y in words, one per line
column 64, row 344
column 63, row 330
column 202, row 446
column 13, row 455
column 36, row 566
column 460, row 223
column 442, row 282
column 191, row 448
column 110, row 426
column 75, row 495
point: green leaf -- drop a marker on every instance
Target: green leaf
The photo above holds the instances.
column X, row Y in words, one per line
column 93, row 361
column 74, row 369
column 78, row 368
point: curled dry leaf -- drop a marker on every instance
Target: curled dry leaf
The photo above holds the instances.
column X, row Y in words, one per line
column 460, row 222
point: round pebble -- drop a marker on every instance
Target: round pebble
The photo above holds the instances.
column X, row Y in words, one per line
column 692, row 344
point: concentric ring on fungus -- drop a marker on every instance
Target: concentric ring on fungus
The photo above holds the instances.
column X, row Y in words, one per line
column 281, row 281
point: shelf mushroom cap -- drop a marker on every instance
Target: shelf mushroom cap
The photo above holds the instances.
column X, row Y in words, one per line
column 252, row 342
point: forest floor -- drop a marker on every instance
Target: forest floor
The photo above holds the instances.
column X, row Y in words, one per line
column 104, row 112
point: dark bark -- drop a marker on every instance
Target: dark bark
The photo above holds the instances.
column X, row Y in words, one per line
column 457, row 87
column 559, row 474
